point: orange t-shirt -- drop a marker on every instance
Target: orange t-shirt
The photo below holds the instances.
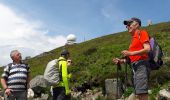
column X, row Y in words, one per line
column 137, row 44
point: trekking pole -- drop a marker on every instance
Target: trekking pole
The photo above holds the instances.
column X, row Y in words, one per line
column 118, row 68
column 126, row 78
column 126, row 74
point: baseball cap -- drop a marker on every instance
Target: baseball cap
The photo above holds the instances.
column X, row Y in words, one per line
column 65, row 52
column 127, row 22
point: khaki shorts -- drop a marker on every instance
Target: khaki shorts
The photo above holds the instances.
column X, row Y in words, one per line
column 140, row 76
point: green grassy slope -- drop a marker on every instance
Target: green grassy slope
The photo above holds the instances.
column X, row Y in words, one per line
column 92, row 60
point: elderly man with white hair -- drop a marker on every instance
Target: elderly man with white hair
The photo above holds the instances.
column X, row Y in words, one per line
column 15, row 78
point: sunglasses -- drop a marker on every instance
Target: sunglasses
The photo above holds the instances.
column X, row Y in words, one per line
column 131, row 23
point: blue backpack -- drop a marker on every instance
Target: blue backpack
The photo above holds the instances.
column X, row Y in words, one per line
column 155, row 54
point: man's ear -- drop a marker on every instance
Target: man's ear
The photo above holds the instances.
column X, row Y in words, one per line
column 12, row 57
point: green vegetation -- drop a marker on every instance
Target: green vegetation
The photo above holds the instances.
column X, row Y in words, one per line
column 128, row 91
column 92, row 60
column 154, row 92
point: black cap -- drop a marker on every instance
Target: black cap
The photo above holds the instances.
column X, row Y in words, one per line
column 65, row 52
column 127, row 22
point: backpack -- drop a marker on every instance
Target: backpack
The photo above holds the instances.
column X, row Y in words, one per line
column 155, row 54
column 51, row 74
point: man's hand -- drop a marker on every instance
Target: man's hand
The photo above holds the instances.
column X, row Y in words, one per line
column 117, row 60
column 8, row 91
column 126, row 53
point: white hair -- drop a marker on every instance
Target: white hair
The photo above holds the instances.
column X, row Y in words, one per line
column 13, row 52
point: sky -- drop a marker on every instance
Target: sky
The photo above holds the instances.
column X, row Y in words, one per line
column 37, row 26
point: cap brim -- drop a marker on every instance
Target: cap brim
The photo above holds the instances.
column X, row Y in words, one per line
column 125, row 22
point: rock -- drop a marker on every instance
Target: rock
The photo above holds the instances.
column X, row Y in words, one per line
column 132, row 97
column 38, row 91
column 76, row 94
column 1, row 98
column 30, row 94
column 98, row 94
column 88, row 95
column 38, row 81
column 44, row 96
column 164, row 95
column 149, row 91
column 111, row 88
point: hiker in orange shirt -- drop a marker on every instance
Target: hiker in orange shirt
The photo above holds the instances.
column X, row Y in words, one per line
column 138, row 55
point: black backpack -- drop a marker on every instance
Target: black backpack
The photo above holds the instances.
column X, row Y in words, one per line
column 155, row 54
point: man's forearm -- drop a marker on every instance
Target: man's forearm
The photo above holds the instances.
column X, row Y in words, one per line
column 3, row 82
column 28, row 80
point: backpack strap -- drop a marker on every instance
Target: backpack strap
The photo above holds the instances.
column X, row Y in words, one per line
column 9, row 66
column 139, row 36
column 60, row 68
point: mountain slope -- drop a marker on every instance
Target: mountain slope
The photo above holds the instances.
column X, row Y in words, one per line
column 92, row 60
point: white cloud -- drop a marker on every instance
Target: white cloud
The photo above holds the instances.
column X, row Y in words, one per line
column 19, row 33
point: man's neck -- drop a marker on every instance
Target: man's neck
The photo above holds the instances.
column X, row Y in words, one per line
column 17, row 62
column 132, row 33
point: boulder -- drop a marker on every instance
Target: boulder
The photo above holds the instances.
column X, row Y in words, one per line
column 30, row 94
column 113, row 89
column 38, row 81
column 164, row 94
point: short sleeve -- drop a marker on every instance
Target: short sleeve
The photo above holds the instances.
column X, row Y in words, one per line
column 144, row 36
column 5, row 73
